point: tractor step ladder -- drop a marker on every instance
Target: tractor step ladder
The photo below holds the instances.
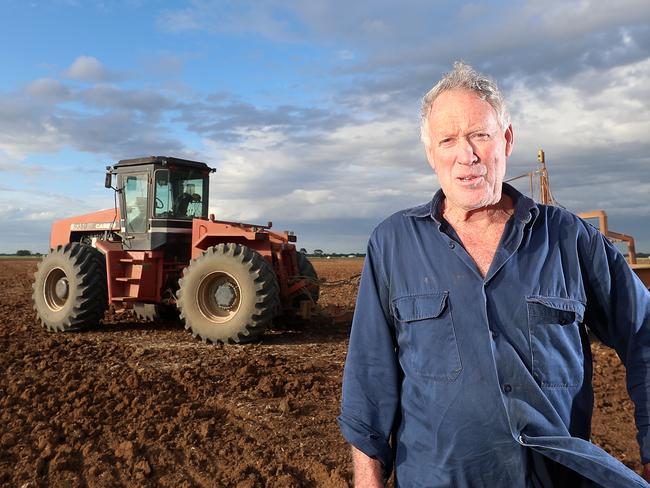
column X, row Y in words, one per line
column 128, row 276
column 133, row 276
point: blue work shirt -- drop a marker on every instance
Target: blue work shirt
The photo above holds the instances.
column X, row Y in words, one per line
column 463, row 380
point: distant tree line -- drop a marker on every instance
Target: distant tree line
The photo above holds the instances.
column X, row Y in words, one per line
column 21, row 252
column 319, row 253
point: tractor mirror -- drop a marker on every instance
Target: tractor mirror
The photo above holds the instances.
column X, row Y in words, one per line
column 108, row 181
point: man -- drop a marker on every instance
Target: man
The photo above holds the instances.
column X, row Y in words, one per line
column 469, row 364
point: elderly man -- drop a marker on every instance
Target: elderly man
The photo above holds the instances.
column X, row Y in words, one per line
column 469, row 363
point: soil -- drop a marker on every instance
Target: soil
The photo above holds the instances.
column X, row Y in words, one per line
column 139, row 404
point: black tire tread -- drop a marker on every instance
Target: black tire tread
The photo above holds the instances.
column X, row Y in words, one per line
column 90, row 296
column 267, row 296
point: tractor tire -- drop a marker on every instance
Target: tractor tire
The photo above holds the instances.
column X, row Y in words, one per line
column 70, row 291
column 229, row 294
column 306, row 269
column 155, row 312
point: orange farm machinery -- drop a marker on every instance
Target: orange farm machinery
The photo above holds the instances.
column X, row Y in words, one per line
column 159, row 252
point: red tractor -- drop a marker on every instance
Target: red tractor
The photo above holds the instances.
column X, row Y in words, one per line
column 160, row 252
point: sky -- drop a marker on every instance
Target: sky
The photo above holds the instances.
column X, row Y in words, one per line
column 309, row 111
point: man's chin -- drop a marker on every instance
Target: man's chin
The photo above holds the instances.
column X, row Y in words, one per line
column 477, row 202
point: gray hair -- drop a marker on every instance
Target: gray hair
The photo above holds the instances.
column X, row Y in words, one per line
column 463, row 76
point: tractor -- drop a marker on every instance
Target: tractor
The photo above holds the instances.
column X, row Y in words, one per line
column 159, row 253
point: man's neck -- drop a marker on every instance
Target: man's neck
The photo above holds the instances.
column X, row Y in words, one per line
column 479, row 218
column 480, row 230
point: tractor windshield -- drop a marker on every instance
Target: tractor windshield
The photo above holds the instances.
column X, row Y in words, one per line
column 180, row 194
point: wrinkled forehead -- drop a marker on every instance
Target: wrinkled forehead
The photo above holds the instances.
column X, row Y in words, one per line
column 459, row 108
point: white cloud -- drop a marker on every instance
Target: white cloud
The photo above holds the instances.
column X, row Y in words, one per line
column 87, row 68
column 575, row 113
column 361, row 170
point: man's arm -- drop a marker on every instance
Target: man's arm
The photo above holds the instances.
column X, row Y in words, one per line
column 372, row 376
column 618, row 312
column 367, row 471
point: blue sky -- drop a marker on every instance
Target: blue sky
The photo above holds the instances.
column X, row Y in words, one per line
column 309, row 110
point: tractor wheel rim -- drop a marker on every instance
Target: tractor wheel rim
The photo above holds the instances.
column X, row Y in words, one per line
column 218, row 297
column 56, row 289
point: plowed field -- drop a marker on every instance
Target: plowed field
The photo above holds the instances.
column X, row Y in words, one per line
column 138, row 404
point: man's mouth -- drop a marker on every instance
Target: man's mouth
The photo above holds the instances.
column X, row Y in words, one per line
column 469, row 178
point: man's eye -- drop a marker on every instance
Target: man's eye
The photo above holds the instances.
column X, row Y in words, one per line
column 447, row 141
column 481, row 136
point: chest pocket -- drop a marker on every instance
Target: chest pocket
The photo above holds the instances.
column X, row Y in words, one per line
column 426, row 336
column 556, row 345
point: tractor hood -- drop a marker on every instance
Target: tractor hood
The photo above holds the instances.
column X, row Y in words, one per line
column 64, row 231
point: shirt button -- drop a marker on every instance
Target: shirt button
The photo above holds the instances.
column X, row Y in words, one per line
column 451, row 245
column 507, row 388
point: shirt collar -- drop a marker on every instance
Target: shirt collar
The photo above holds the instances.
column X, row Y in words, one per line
column 526, row 209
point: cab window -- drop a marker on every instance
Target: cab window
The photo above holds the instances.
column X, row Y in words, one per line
column 135, row 199
column 180, row 194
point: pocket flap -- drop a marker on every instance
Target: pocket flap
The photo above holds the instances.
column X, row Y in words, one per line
column 419, row 307
column 566, row 310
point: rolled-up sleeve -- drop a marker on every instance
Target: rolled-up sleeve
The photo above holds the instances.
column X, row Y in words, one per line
column 371, row 377
column 618, row 311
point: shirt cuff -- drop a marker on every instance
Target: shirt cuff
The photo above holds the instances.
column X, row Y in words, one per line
column 367, row 441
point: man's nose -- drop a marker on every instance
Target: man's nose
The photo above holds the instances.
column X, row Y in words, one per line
column 465, row 152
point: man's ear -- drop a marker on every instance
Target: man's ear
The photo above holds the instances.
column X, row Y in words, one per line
column 510, row 140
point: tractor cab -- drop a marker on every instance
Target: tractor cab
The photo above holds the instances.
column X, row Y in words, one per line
column 159, row 197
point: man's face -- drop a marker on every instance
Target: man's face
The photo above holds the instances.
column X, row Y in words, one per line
column 468, row 149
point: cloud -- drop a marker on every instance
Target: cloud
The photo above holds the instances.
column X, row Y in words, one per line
column 20, row 168
column 112, row 97
column 361, row 170
column 48, row 115
column 88, row 68
column 48, row 89
column 119, row 134
column 27, row 125
column 224, row 118
column 167, row 64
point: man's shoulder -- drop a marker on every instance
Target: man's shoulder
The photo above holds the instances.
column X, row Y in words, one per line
column 567, row 226
column 561, row 216
column 398, row 221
